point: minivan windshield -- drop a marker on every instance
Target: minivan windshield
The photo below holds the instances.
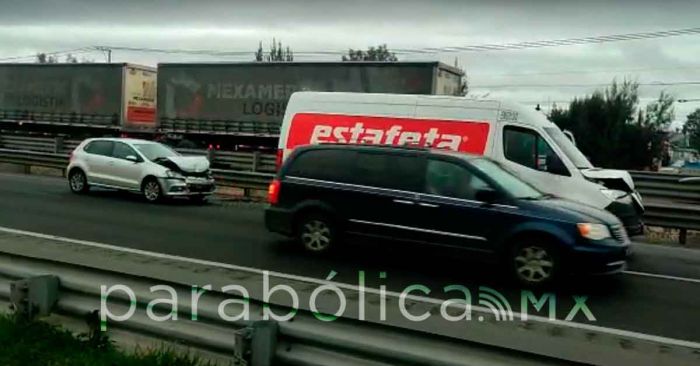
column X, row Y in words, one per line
column 154, row 151
column 568, row 147
column 510, row 183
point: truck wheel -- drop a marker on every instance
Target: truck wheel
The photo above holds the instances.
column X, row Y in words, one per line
column 151, row 190
column 77, row 181
column 535, row 263
column 316, row 233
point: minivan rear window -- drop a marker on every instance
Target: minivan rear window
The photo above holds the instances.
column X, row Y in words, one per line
column 374, row 169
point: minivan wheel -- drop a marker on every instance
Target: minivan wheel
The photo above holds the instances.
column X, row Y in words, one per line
column 151, row 190
column 77, row 181
column 534, row 264
column 316, row 233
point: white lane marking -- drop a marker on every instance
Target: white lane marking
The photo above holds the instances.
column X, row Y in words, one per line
column 582, row 326
column 640, row 246
column 664, row 277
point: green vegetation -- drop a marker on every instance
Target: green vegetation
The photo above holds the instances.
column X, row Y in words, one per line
column 611, row 128
column 36, row 343
column 379, row 53
column 692, row 129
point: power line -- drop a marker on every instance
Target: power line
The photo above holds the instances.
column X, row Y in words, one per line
column 407, row 51
column 602, row 71
column 567, row 41
column 505, row 86
column 433, row 50
column 55, row 53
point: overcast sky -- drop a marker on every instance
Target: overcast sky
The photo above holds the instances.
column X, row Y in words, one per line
column 31, row 26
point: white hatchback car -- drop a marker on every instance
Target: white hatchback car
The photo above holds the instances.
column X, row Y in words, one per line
column 148, row 167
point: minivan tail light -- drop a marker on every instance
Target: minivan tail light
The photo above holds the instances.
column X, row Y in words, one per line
column 273, row 192
column 278, row 158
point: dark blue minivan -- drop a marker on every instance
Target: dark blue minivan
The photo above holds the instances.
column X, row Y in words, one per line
column 443, row 199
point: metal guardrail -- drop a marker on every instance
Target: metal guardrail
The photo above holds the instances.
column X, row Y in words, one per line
column 220, row 127
column 664, row 186
column 33, row 158
column 232, row 160
column 671, row 200
column 351, row 339
column 57, row 145
column 62, row 119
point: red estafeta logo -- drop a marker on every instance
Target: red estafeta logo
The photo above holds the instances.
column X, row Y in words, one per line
column 456, row 135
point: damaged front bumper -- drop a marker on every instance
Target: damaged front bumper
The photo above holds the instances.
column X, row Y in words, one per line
column 629, row 210
column 188, row 186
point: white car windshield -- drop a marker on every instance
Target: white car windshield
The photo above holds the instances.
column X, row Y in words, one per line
column 568, row 148
column 154, row 151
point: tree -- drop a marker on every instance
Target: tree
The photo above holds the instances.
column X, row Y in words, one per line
column 691, row 128
column 70, row 59
column 277, row 53
column 660, row 113
column 610, row 128
column 43, row 58
column 379, row 53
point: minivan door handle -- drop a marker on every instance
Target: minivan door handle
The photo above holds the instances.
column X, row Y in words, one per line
column 428, row 205
column 404, row 202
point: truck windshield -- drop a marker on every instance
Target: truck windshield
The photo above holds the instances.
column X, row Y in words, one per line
column 510, row 183
column 570, row 150
column 154, row 151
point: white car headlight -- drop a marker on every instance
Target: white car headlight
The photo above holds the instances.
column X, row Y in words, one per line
column 174, row 174
column 593, row 231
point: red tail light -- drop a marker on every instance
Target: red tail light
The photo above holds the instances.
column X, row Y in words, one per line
column 273, row 192
column 278, row 158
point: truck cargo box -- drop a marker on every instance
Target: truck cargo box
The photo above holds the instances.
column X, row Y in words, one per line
column 116, row 96
column 250, row 98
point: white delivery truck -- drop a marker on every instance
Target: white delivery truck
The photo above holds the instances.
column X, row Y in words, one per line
column 521, row 139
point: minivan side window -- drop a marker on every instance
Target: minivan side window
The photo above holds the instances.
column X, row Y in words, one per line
column 389, row 170
column 99, row 147
column 447, row 179
column 332, row 165
column 122, row 150
column 526, row 147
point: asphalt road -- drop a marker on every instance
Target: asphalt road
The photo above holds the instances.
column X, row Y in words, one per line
column 659, row 295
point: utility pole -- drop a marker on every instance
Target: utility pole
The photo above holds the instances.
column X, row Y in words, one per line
column 107, row 51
